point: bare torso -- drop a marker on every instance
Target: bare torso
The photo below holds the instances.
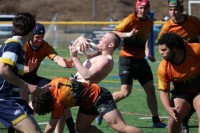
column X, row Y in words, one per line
column 100, row 66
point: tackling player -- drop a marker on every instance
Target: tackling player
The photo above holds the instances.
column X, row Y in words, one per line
column 91, row 99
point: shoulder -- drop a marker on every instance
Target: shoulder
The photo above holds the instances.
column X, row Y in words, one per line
column 192, row 17
column 130, row 17
column 46, row 44
column 193, row 47
column 102, row 60
column 12, row 44
column 162, row 66
column 106, row 57
column 168, row 23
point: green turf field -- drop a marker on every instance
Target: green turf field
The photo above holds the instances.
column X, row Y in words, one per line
column 133, row 108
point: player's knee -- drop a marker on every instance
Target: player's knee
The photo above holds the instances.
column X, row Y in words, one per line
column 125, row 94
column 118, row 127
column 171, row 120
column 151, row 90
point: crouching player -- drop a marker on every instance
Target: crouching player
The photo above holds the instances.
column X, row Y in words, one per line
column 92, row 100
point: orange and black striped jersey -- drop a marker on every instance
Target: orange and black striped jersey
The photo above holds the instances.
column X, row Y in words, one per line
column 135, row 46
column 189, row 30
column 45, row 50
column 67, row 93
column 182, row 73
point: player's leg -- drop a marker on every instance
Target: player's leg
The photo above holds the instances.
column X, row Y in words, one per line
column 183, row 109
column 124, row 92
column 106, row 107
column 65, row 118
column 83, row 123
column 115, row 120
column 125, row 73
column 184, row 124
column 28, row 125
column 145, row 77
column 22, row 119
column 196, row 105
column 152, row 104
column 61, row 124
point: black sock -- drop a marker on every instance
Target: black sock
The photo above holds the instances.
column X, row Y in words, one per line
column 11, row 130
column 70, row 125
column 155, row 119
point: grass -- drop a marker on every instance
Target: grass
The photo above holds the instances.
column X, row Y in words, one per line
column 133, row 108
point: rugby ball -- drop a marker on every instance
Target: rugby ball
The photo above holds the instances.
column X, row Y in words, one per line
column 91, row 50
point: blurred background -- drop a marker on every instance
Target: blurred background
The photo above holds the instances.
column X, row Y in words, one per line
column 67, row 19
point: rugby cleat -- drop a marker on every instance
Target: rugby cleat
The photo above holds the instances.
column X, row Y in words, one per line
column 99, row 120
column 159, row 125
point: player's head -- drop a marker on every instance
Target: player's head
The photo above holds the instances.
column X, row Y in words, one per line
column 42, row 101
column 38, row 36
column 176, row 4
column 116, row 39
column 39, row 29
column 109, row 42
column 23, row 24
column 142, row 8
column 169, row 45
column 172, row 40
column 142, row 3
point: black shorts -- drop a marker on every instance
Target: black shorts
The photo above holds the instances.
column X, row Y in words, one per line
column 188, row 97
column 130, row 69
column 102, row 105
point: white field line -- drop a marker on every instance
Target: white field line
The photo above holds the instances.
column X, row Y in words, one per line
column 149, row 118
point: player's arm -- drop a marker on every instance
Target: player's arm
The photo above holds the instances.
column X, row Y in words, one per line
column 9, row 76
column 51, row 125
column 86, row 73
column 56, row 113
column 63, row 62
column 164, row 90
column 147, row 52
column 165, row 100
column 133, row 32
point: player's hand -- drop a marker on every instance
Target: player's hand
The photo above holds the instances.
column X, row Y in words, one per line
column 133, row 32
column 32, row 64
column 32, row 88
column 29, row 88
column 172, row 111
column 151, row 58
column 73, row 51
column 83, row 42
